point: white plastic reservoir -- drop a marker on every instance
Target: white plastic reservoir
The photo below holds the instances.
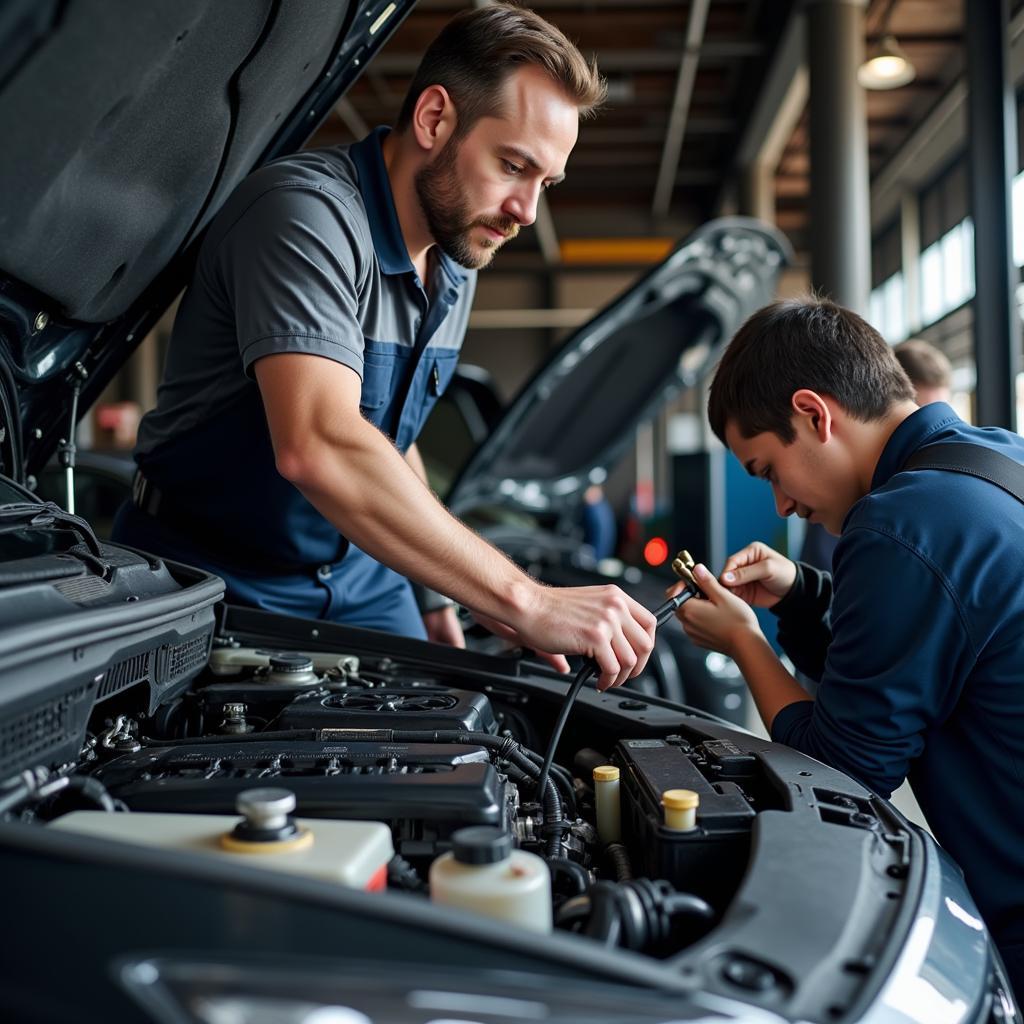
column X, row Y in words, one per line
column 351, row 853
column 483, row 873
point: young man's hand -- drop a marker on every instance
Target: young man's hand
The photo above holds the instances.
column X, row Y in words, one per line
column 759, row 575
column 722, row 622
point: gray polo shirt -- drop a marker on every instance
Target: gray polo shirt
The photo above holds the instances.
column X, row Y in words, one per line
column 307, row 256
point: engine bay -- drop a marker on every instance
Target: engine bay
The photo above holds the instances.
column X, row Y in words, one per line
column 363, row 736
column 200, row 738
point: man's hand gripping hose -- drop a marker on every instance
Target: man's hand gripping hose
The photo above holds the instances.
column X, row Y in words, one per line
column 682, row 566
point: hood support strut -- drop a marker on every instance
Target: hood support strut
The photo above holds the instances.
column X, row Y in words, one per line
column 68, row 449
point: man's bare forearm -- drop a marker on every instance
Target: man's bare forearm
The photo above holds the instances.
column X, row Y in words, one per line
column 392, row 515
column 771, row 686
column 360, row 483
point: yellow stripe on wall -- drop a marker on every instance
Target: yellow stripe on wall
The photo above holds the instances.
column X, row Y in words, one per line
column 615, row 250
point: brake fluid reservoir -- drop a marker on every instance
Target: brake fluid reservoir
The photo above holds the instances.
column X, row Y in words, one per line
column 352, row 853
column 606, row 803
column 483, row 873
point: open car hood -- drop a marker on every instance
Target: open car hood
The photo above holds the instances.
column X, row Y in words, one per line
column 570, row 424
column 125, row 127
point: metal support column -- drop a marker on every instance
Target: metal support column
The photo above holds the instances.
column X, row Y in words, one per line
column 840, row 215
column 992, row 152
column 757, row 191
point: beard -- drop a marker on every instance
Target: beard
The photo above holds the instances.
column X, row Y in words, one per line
column 447, row 212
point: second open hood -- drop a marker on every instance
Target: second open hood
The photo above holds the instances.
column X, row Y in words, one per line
column 573, row 421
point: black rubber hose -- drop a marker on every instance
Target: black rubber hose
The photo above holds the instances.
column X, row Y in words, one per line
column 554, row 822
column 619, row 856
column 562, row 779
column 562, row 867
column 38, row 785
column 93, row 790
column 605, row 922
column 588, row 671
column 572, row 910
column 687, row 903
column 636, row 915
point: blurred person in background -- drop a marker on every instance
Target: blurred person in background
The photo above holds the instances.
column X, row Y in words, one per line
column 928, row 369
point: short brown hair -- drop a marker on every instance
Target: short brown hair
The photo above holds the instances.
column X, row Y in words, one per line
column 924, row 364
column 803, row 343
column 478, row 49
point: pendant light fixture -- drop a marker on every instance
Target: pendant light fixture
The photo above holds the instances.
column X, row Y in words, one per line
column 886, row 66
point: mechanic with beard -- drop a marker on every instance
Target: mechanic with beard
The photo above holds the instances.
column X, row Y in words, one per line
column 324, row 318
column 917, row 638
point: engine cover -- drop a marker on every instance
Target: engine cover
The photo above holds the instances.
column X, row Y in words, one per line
column 424, row 791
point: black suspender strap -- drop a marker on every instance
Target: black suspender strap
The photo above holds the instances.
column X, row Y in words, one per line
column 974, row 460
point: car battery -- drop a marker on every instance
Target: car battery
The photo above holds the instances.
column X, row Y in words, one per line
column 712, row 856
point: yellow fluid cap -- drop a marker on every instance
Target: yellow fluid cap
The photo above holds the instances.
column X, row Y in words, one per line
column 679, row 799
column 606, row 773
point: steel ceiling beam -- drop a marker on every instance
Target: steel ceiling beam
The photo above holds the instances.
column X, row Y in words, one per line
column 669, row 167
column 611, row 61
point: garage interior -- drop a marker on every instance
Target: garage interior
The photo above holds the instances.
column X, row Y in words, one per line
column 709, row 114
column 883, row 141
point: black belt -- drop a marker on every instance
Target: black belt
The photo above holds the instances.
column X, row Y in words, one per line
column 152, row 501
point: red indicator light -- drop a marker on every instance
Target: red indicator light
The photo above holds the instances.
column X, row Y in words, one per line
column 655, row 551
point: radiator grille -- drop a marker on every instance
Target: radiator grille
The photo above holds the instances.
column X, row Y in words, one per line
column 25, row 739
column 179, row 659
column 124, row 674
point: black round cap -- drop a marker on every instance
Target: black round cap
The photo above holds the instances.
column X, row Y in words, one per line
column 288, row 662
column 481, row 844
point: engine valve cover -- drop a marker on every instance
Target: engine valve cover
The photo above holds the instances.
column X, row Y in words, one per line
column 424, row 791
column 392, row 708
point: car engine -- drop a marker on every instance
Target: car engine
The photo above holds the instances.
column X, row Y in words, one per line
column 358, row 737
column 201, row 741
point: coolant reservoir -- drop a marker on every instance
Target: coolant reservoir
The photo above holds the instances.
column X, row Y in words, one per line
column 483, row 873
column 352, row 853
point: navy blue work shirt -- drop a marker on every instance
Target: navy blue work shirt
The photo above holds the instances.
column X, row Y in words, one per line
column 306, row 256
column 917, row 640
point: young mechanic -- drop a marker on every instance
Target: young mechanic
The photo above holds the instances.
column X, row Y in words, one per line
column 324, row 318
column 931, row 375
column 918, row 636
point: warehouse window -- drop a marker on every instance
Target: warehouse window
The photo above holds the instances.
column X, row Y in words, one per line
column 947, row 272
column 887, row 310
column 947, row 241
